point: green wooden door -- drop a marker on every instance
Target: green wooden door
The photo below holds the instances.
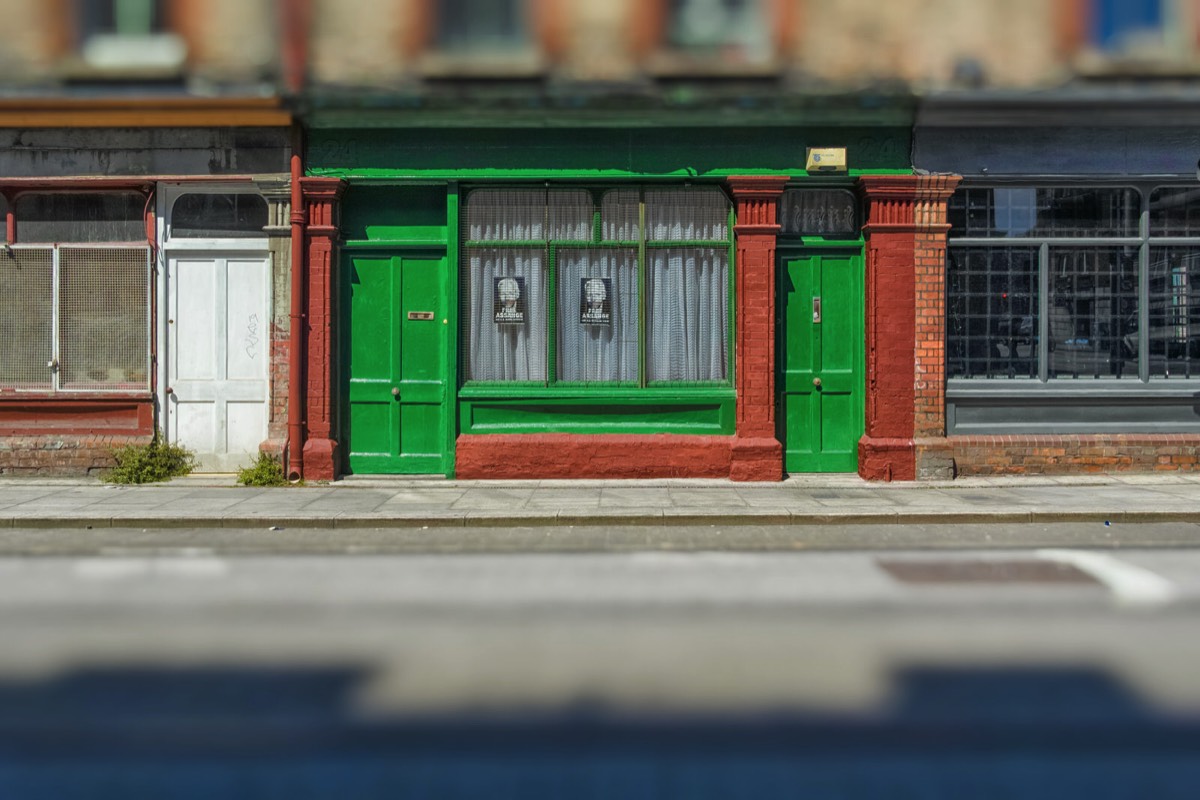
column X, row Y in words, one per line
column 396, row 351
column 821, row 354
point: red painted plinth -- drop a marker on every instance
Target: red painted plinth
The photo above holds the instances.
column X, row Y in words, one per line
column 320, row 459
column 565, row 455
column 887, row 459
column 756, row 460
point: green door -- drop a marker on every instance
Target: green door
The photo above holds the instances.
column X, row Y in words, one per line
column 821, row 353
column 396, row 353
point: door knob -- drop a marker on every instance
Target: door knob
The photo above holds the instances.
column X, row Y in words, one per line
column 817, row 382
column 395, row 391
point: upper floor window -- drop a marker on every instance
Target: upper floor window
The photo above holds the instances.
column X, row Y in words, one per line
column 719, row 35
column 1124, row 25
column 127, row 34
column 465, row 26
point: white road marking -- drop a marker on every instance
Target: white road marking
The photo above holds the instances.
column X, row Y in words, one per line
column 108, row 569
column 1130, row 585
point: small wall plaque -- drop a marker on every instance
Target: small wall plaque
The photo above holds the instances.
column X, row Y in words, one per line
column 825, row 159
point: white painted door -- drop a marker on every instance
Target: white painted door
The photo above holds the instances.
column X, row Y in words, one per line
column 218, row 355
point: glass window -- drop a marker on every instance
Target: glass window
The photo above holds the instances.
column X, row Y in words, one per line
column 818, row 212
column 592, row 254
column 219, row 216
column 736, row 31
column 1024, row 211
column 1120, row 306
column 77, row 217
column 488, row 25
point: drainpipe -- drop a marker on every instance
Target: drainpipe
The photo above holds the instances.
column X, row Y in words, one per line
column 295, row 470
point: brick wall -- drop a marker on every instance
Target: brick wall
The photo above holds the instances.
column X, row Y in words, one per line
column 561, row 455
column 27, row 456
column 1059, row 454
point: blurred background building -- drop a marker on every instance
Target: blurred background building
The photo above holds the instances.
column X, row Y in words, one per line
column 915, row 238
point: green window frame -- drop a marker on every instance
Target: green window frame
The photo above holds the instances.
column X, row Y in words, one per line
column 662, row 255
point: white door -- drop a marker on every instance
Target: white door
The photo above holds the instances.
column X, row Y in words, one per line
column 218, row 355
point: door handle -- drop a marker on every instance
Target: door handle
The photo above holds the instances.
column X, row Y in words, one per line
column 817, row 382
column 816, row 309
column 395, row 391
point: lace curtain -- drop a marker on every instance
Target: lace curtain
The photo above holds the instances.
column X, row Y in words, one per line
column 606, row 349
column 686, row 294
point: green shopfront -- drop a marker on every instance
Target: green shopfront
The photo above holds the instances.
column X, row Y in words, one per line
column 542, row 301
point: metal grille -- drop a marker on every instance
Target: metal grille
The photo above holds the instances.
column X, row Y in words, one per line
column 820, row 212
column 1174, row 312
column 992, row 329
column 102, row 323
column 1093, row 317
column 1175, row 212
column 26, row 317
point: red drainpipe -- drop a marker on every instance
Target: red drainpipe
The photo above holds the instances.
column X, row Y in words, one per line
column 296, row 343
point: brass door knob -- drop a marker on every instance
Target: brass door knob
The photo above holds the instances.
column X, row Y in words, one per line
column 816, row 382
column 395, row 391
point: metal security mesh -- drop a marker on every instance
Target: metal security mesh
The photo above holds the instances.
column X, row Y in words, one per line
column 103, row 327
column 26, row 298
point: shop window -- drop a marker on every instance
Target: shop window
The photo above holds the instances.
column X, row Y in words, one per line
column 626, row 286
column 819, row 212
column 218, row 216
column 1125, row 25
column 75, row 294
column 1068, row 284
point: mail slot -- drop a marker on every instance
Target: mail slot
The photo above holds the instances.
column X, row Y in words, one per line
column 420, row 315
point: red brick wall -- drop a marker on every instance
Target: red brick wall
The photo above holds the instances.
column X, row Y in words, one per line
column 756, row 454
column 321, row 196
column 1063, row 454
column 52, row 455
column 906, row 235
column 571, row 456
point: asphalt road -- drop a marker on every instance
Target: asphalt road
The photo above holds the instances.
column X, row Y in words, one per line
column 161, row 668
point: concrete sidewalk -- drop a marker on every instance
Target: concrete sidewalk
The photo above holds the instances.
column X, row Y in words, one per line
column 214, row 501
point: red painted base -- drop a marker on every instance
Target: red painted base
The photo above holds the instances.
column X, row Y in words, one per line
column 320, row 459
column 564, row 455
column 756, row 460
column 887, row 459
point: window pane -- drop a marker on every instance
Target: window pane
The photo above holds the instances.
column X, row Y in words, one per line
column 219, row 216
column 103, row 311
column 818, row 212
column 506, row 215
column 1174, row 312
column 26, row 317
column 992, row 312
column 687, row 313
column 506, row 314
column 1175, row 212
column 1092, row 326
column 619, row 216
column 734, row 30
column 597, row 314
column 686, row 215
column 1025, row 211
column 65, row 217
column 474, row 24
column 571, row 215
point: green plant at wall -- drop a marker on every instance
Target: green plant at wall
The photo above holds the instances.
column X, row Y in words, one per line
column 148, row 463
column 266, row 471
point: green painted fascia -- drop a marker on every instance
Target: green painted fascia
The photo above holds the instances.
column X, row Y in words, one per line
column 712, row 416
column 589, row 155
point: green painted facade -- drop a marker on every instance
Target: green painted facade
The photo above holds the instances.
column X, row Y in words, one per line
column 400, row 217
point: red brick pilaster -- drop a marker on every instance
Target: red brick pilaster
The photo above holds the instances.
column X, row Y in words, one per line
column 321, row 197
column 906, row 243
column 756, row 454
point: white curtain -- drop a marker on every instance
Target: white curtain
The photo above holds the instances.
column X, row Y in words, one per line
column 687, row 301
column 687, row 215
column 504, row 351
column 598, row 352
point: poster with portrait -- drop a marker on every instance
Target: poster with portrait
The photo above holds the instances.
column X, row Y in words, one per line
column 595, row 301
column 508, row 301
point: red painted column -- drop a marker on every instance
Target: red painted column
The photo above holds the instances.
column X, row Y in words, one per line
column 906, row 232
column 756, row 454
column 321, row 196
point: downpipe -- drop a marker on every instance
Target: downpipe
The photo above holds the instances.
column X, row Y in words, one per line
column 295, row 468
